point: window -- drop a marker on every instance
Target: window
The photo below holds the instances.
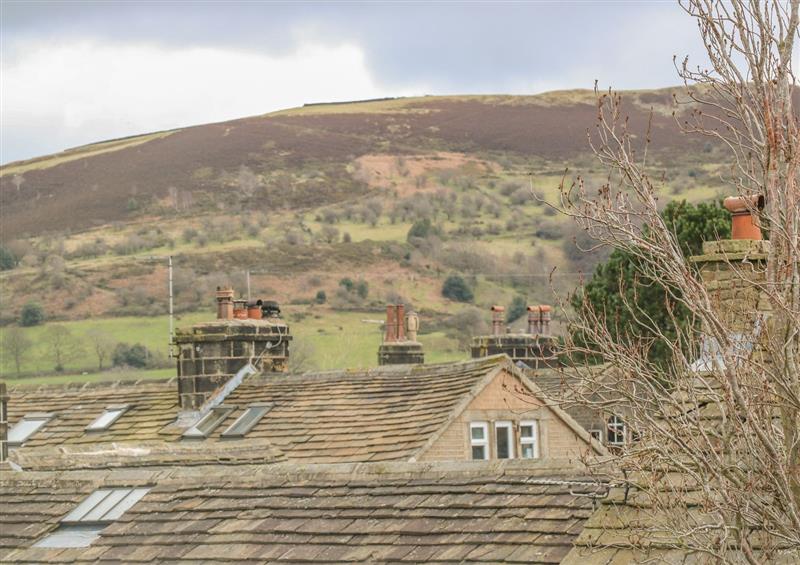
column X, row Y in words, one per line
column 596, row 435
column 615, row 431
column 83, row 525
column 208, row 423
column 479, row 440
column 26, row 427
column 108, row 417
column 504, row 440
column 246, row 421
column 529, row 440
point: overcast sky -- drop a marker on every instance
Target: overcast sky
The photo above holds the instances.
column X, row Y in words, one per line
column 78, row 72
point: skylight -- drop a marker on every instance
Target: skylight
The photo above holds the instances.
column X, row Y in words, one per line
column 208, row 423
column 83, row 525
column 246, row 421
column 26, row 427
column 108, row 417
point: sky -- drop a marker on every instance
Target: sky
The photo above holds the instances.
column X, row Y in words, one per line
column 73, row 73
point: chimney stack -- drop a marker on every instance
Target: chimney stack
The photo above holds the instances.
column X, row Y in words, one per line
column 210, row 354
column 734, row 269
column 397, row 349
column 534, row 316
column 498, row 321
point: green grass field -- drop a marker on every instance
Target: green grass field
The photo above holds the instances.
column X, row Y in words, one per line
column 327, row 340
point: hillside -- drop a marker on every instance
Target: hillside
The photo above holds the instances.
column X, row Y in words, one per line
column 304, row 198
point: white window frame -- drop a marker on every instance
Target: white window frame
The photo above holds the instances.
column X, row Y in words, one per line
column 509, row 427
column 616, row 425
column 597, row 435
column 219, row 413
column 42, row 417
column 261, row 409
column 479, row 442
column 83, row 524
column 532, row 440
column 117, row 409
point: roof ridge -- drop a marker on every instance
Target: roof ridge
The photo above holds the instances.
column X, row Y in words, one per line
column 77, row 386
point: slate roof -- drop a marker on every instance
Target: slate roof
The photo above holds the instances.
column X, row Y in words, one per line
column 154, row 405
column 387, row 413
column 510, row 512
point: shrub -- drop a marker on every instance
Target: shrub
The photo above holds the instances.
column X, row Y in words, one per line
column 32, row 314
column 456, row 288
column 516, row 309
column 7, row 259
column 131, row 355
column 321, row 297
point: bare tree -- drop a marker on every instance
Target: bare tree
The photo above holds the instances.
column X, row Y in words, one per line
column 62, row 345
column 717, row 463
column 102, row 345
column 16, row 346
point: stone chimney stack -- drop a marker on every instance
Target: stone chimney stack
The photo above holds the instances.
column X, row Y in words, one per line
column 3, row 422
column 733, row 269
column 535, row 348
column 397, row 349
column 210, row 354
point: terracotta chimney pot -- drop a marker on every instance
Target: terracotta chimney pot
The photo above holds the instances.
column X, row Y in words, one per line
column 224, row 303
column 745, row 221
column 390, row 334
column 400, row 318
column 497, row 319
column 544, row 309
column 534, row 318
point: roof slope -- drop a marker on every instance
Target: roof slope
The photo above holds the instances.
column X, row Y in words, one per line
column 478, row 512
column 152, row 407
column 388, row 413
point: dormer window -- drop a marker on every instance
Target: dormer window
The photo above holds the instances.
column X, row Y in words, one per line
column 529, row 439
column 504, row 438
column 246, row 421
column 83, row 525
column 208, row 423
column 108, row 417
column 25, row 428
column 479, row 439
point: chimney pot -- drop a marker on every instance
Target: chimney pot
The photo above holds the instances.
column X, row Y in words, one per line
column 224, row 303
column 400, row 317
column 744, row 221
column 390, row 334
column 544, row 320
column 498, row 319
column 534, row 316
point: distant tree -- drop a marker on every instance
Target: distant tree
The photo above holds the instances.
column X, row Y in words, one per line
column 303, row 356
column 516, row 309
column 321, row 297
column 329, row 233
column 16, row 346
column 620, row 291
column 62, row 345
column 347, row 284
column 362, row 288
column 456, row 288
column 126, row 355
column 421, row 229
column 7, row 259
column 32, row 314
column 102, row 345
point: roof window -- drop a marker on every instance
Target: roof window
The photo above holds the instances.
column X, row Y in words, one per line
column 108, row 417
column 83, row 525
column 25, row 428
column 208, row 423
column 246, row 421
